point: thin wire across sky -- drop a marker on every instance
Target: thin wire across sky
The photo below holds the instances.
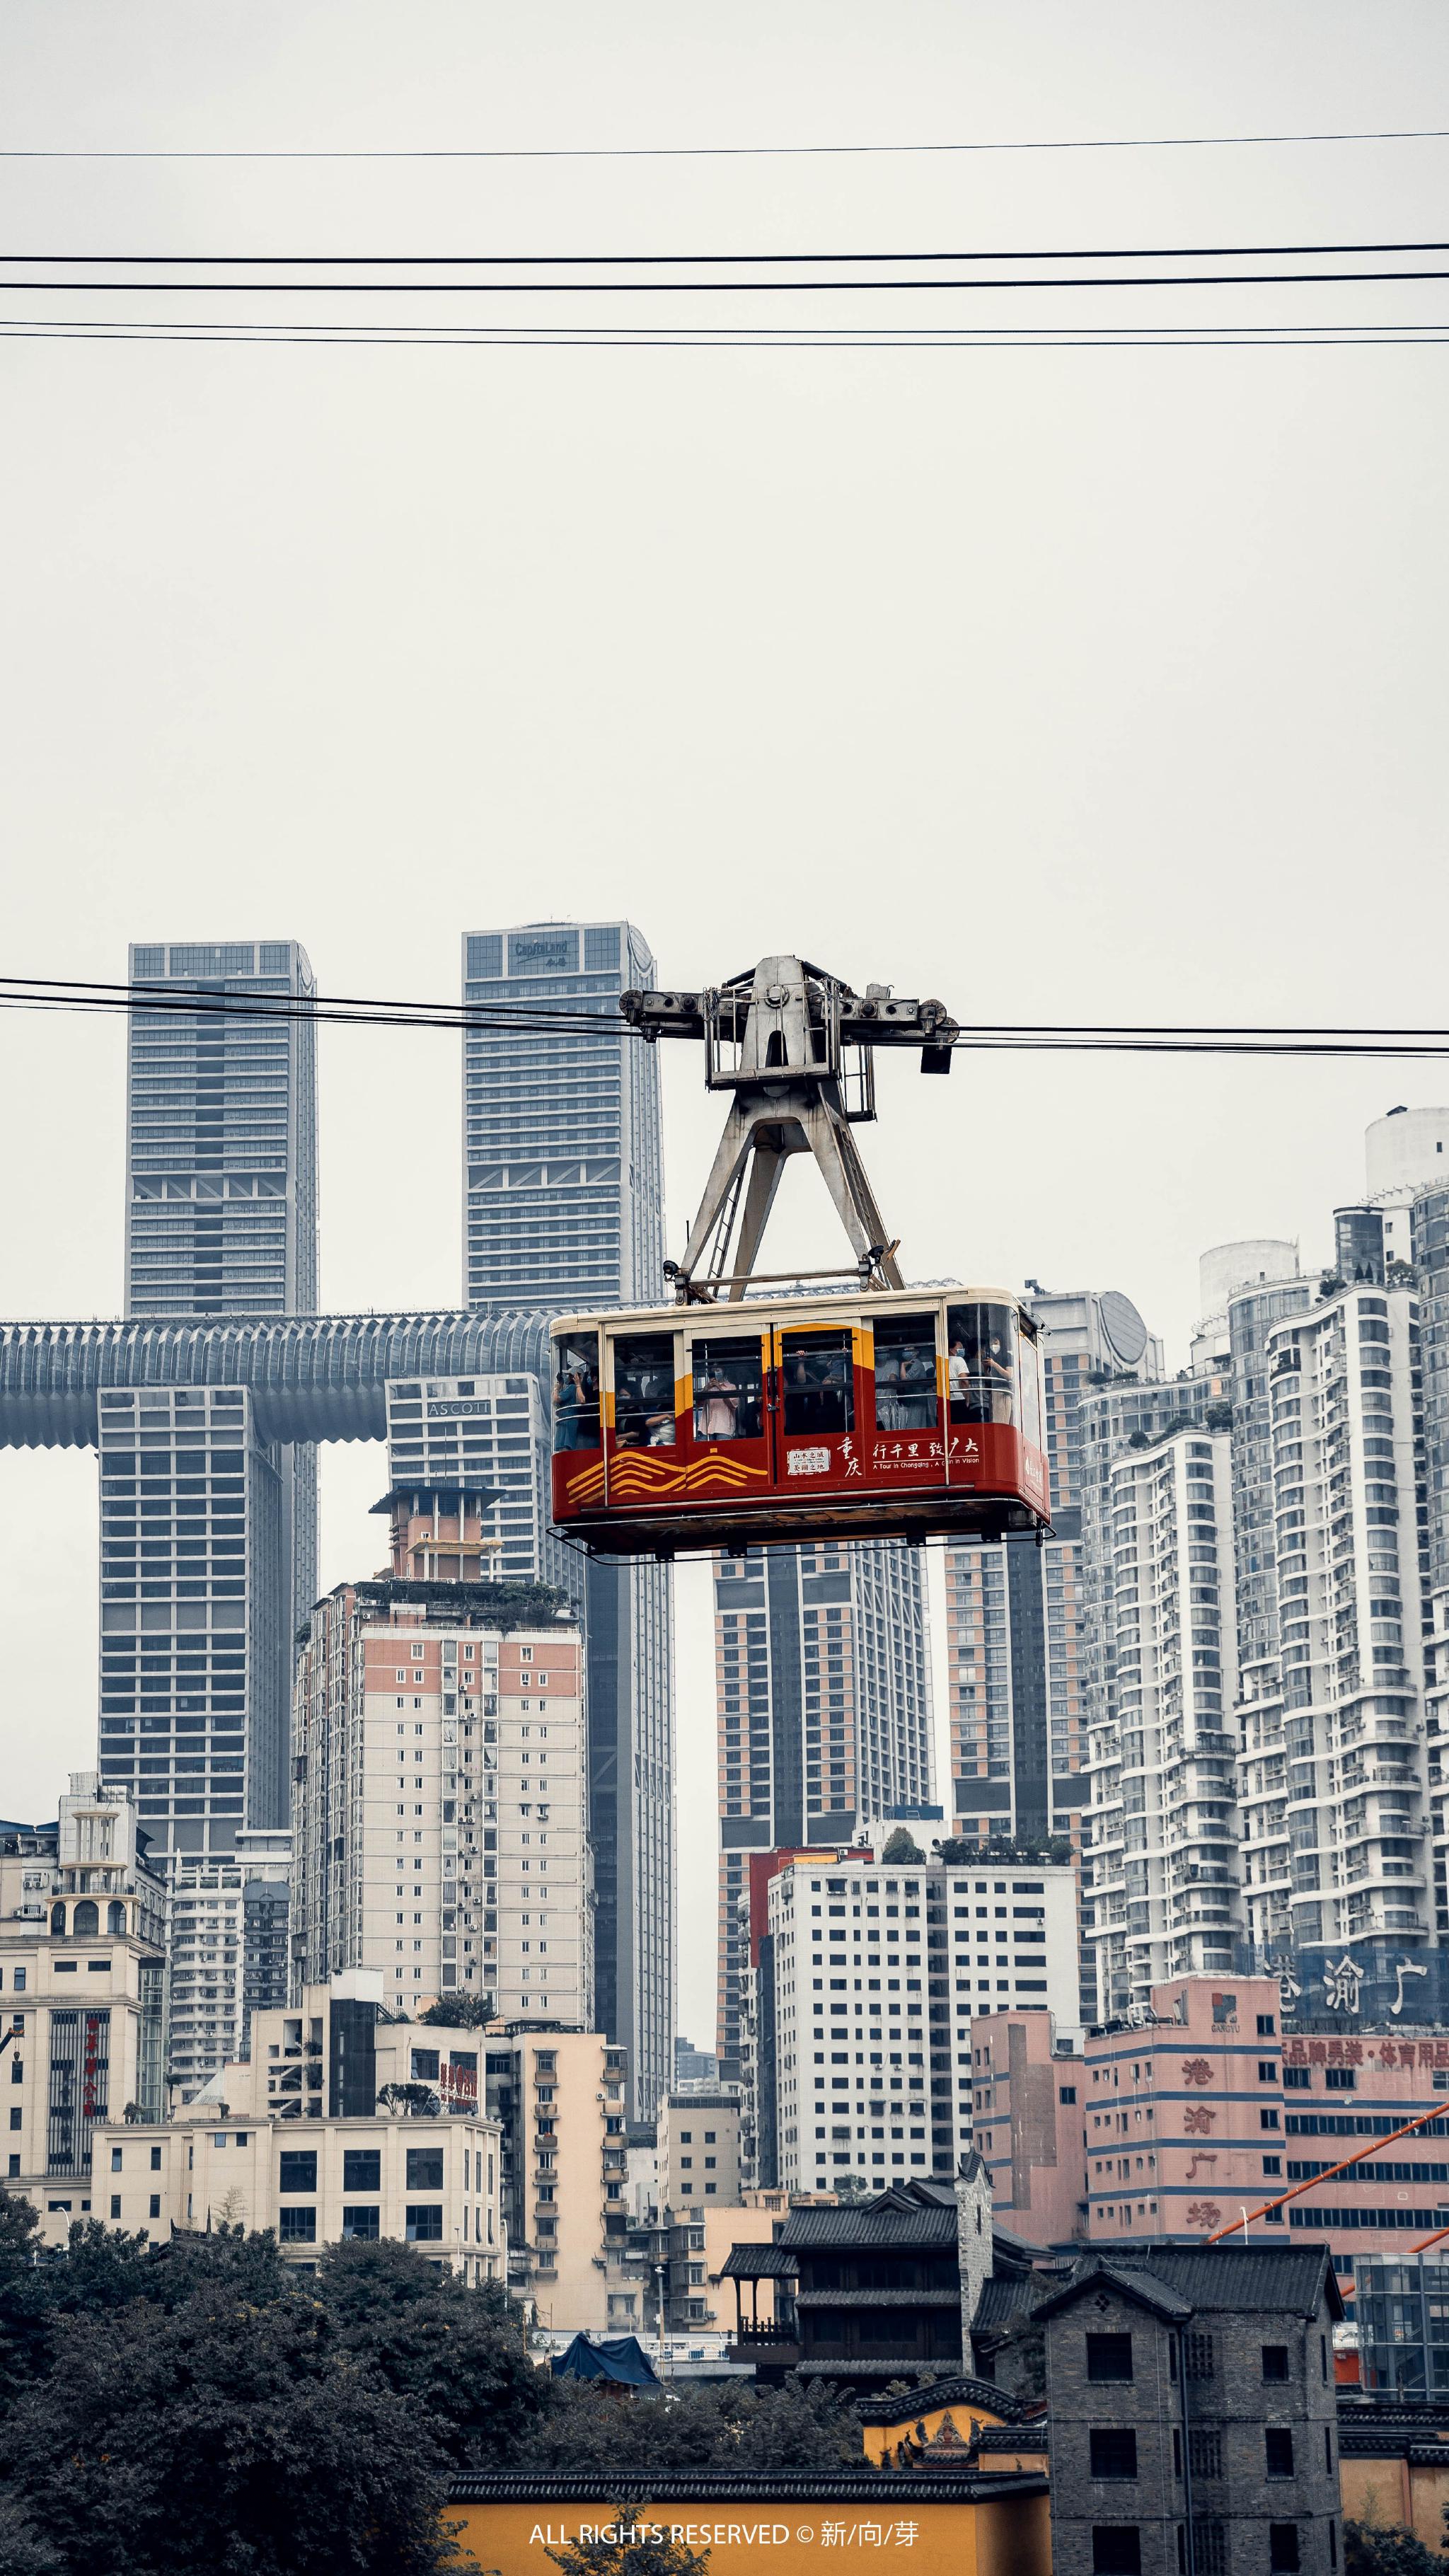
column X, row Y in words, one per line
column 354, row 1011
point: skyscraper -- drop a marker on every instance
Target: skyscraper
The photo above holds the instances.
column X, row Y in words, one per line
column 1335, row 1777
column 563, row 1167
column 221, row 1132
column 564, row 1209
column 209, row 1530
column 1015, row 1614
column 824, row 1694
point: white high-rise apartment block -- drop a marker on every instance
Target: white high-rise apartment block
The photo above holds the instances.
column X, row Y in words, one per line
column 1164, row 1823
column 877, row 1975
column 439, row 1823
column 1334, row 1783
column 823, row 1691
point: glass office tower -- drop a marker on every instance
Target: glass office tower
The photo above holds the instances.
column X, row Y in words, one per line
column 208, row 1530
column 564, row 1209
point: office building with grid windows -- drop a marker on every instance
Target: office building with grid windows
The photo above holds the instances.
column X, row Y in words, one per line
column 209, row 1536
column 823, row 1685
column 564, row 1210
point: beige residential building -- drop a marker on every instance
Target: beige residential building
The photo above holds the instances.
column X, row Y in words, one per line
column 339, row 2125
column 699, row 2152
column 559, row 2099
column 439, row 1795
column 82, row 1996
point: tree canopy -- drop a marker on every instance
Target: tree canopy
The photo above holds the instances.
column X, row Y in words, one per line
column 1387, row 2549
column 204, row 2408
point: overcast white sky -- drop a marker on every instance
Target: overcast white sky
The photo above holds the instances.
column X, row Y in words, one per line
column 1066, row 684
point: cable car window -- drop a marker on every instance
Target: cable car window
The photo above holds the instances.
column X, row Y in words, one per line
column 816, row 1381
column 981, row 1363
column 644, row 1391
column 1030, row 1356
column 576, row 1393
column 729, row 1389
column 905, row 1372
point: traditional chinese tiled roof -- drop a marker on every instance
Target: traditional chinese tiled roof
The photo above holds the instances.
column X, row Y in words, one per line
column 757, row 2263
column 1186, row 2280
column 890, row 2491
column 895, row 2220
column 958, row 2391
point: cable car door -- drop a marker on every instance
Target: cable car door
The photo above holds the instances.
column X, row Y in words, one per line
column 816, row 1436
column 727, row 1385
column 902, row 1441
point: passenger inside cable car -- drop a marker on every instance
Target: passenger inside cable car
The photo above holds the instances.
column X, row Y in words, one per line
column 729, row 1389
column 576, row 1393
column 981, row 1365
column 644, row 1391
column 905, row 1373
column 818, row 1389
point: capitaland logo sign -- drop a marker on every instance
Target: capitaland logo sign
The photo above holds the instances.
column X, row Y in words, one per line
column 550, row 954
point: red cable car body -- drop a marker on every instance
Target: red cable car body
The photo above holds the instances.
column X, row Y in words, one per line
column 904, row 1413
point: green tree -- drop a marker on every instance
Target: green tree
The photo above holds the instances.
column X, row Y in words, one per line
column 901, row 1848
column 1387, row 2549
column 640, row 2546
column 221, row 2437
column 587, row 2431
column 459, row 2012
column 457, row 2353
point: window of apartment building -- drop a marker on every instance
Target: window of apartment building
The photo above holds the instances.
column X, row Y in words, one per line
column 1205, row 2450
column 362, row 2169
column 1340, row 2079
column 1275, row 2361
column 1283, row 2548
column 297, row 2226
column 1113, row 2452
column 1116, row 2549
column 1109, row 2356
column 1295, row 2079
column 298, row 2169
column 361, row 2223
column 425, row 2168
column 1209, row 2547
column 424, row 2223
column 155, row 2160
column 1278, row 2450
column 1199, row 2356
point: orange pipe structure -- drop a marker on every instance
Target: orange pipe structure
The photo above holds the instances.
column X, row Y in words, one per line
column 1426, row 2241
column 1375, row 2147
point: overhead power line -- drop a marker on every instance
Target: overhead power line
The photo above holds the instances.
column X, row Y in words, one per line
column 707, row 285
column 681, row 258
column 1153, row 1038
column 759, row 336
column 718, row 151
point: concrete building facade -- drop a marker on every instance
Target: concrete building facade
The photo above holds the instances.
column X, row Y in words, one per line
column 1335, row 1772
column 209, row 1552
column 1016, row 1616
column 560, row 2099
column 1164, row 1822
column 878, row 1973
column 313, row 2137
column 564, row 1209
column 439, row 1833
column 82, row 1994
column 1192, row 2408
column 699, row 2152
column 822, row 1676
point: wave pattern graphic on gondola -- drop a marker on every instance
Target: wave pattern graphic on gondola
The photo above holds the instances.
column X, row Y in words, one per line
column 639, row 1475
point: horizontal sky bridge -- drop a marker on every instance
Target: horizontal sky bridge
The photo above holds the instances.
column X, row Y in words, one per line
column 311, row 1377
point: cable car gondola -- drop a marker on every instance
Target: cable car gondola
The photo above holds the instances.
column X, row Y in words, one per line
column 863, row 1409
column 783, row 1420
